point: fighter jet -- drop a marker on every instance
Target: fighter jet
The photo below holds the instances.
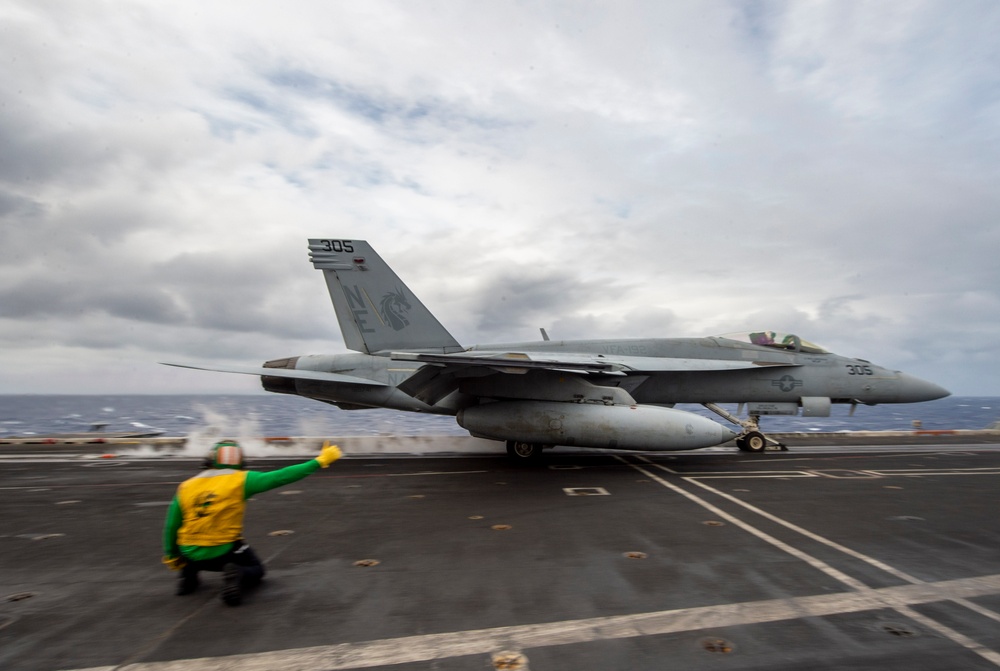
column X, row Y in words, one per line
column 612, row 394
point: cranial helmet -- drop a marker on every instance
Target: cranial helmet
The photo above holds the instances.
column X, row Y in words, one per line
column 226, row 454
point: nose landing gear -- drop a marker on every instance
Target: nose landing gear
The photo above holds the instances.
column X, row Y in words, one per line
column 752, row 439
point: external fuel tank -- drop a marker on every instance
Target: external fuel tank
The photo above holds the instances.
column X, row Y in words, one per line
column 623, row 427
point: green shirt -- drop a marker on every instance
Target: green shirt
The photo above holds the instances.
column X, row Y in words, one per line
column 256, row 483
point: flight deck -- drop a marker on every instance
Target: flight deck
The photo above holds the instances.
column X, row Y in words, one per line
column 823, row 557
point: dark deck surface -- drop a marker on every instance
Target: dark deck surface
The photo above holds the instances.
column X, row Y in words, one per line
column 853, row 558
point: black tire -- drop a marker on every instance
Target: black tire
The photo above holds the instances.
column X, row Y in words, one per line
column 754, row 442
column 524, row 452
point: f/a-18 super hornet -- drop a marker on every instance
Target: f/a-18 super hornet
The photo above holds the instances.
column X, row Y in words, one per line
column 613, row 394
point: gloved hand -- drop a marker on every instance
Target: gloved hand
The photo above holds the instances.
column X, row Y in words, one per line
column 174, row 563
column 329, row 454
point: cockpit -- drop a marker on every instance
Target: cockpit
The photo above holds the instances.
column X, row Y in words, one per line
column 777, row 340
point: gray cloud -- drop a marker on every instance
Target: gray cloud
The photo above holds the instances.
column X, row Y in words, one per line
column 661, row 169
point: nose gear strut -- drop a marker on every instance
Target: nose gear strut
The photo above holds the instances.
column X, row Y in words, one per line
column 752, row 439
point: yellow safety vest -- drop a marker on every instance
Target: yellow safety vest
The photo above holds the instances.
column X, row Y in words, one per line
column 212, row 505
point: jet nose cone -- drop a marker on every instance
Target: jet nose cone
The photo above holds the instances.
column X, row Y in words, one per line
column 914, row 390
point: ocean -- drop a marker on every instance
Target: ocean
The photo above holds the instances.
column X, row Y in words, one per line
column 285, row 415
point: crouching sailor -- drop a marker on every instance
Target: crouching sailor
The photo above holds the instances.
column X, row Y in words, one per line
column 204, row 528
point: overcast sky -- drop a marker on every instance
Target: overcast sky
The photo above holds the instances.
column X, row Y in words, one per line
column 651, row 169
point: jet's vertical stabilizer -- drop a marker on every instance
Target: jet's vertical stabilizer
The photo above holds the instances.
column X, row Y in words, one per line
column 376, row 311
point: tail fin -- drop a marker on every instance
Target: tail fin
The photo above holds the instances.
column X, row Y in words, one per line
column 376, row 311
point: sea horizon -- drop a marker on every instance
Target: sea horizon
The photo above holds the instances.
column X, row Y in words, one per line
column 282, row 414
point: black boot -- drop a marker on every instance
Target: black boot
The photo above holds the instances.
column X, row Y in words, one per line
column 232, row 576
column 189, row 581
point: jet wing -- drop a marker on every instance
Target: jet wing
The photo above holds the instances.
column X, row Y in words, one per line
column 513, row 362
column 439, row 377
column 287, row 372
column 521, row 362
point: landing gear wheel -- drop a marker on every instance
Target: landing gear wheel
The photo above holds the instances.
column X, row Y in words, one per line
column 752, row 442
column 523, row 452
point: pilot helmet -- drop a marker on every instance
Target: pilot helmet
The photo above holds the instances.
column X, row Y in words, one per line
column 225, row 454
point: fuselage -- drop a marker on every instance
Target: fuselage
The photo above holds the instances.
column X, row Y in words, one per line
column 781, row 375
column 788, row 374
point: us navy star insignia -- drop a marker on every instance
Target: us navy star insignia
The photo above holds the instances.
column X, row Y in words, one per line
column 787, row 383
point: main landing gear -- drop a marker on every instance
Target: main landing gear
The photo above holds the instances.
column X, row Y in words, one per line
column 752, row 439
column 522, row 452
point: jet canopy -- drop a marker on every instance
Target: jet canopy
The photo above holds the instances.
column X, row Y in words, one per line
column 777, row 340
